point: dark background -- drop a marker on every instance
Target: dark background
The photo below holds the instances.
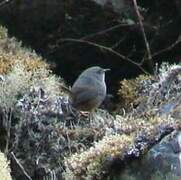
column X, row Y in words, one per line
column 41, row 24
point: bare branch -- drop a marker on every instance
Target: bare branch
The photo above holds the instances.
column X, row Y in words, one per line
column 8, row 121
column 21, row 167
column 149, row 61
column 118, row 43
column 169, row 47
column 105, row 31
column 107, row 49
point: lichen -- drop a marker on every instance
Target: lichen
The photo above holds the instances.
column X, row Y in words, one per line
column 89, row 163
column 19, row 81
column 126, row 133
column 160, row 176
column 43, row 119
column 4, row 168
column 30, row 98
column 130, row 90
column 168, row 86
column 12, row 53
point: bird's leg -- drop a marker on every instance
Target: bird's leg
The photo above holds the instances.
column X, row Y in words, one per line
column 91, row 117
column 88, row 115
column 84, row 113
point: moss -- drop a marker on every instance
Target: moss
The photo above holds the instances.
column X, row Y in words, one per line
column 33, row 92
column 4, row 168
column 12, row 53
column 167, row 88
column 30, row 94
column 22, row 70
column 3, row 33
column 130, row 89
column 19, row 82
column 145, row 125
column 89, row 163
column 141, row 124
column 166, row 176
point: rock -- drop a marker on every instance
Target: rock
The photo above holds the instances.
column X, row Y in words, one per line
column 161, row 162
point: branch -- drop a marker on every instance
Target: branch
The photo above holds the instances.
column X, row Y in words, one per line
column 169, row 47
column 8, row 121
column 105, row 31
column 89, row 36
column 114, row 46
column 21, row 167
column 107, row 49
column 149, row 61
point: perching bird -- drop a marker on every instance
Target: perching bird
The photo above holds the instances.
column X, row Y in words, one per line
column 89, row 90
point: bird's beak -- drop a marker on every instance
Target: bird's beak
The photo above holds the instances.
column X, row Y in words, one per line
column 106, row 70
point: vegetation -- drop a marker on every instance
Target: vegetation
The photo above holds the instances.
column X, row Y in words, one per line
column 43, row 136
column 4, row 168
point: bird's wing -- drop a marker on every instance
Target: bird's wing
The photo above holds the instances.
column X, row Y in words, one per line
column 84, row 94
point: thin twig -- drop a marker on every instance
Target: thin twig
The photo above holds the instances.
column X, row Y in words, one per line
column 105, row 31
column 21, row 167
column 107, row 49
column 114, row 46
column 169, row 47
column 8, row 121
column 150, row 43
column 89, row 36
column 149, row 61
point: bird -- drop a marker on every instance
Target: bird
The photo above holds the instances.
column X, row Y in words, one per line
column 89, row 90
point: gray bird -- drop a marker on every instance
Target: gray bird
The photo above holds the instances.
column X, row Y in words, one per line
column 89, row 90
